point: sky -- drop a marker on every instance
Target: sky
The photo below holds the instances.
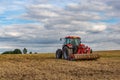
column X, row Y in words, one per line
column 38, row 24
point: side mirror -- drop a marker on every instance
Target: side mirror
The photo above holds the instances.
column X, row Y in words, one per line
column 60, row 39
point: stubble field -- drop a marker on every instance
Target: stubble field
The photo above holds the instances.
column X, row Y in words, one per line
column 46, row 67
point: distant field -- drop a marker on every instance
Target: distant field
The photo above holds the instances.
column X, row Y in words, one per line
column 46, row 67
column 109, row 54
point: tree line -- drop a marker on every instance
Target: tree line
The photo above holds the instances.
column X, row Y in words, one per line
column 18, row 51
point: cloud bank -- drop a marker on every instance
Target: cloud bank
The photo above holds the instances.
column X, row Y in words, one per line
column 41, row 23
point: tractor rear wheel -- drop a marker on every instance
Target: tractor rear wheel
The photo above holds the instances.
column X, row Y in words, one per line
column 59, row 54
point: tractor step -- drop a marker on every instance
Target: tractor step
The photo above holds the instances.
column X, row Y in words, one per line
column 86, row 56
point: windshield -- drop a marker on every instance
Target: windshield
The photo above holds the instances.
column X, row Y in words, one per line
column 75, row 41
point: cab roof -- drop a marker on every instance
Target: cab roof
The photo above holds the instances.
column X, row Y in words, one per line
column 72, row 37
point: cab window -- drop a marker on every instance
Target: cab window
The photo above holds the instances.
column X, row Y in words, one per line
column 67, row 41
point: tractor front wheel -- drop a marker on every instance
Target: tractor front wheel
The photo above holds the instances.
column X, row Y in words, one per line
column 67, row 53
column 59, row 54
column 91, row 51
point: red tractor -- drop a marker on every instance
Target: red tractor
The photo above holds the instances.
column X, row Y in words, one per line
column 73, row 49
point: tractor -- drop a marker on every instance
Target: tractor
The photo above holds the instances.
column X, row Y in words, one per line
column 73, row 49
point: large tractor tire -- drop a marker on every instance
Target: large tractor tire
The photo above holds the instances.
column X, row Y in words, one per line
column 67, row 53
column 59, row 54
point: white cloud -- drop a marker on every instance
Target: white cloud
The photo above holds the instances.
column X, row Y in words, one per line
column 98, row 28
column 89, row 5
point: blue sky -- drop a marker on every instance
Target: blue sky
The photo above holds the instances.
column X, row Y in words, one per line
column 38, row 24
column 12, row 12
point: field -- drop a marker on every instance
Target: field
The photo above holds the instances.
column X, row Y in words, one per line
column 46, row 67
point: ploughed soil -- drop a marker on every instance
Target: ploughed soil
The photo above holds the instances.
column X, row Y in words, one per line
column 46, row 67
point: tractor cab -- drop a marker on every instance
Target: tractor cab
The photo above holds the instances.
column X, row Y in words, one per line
column 72, row 40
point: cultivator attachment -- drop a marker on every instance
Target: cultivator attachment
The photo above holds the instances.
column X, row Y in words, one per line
column 86, row 56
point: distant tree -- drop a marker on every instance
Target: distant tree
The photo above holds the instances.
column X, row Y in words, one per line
column 17, row 51
column 35, row 52
column 30, row 53
column 8, row 52
column 25, row 51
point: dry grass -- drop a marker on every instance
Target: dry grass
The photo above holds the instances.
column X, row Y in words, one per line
column 46, row 67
